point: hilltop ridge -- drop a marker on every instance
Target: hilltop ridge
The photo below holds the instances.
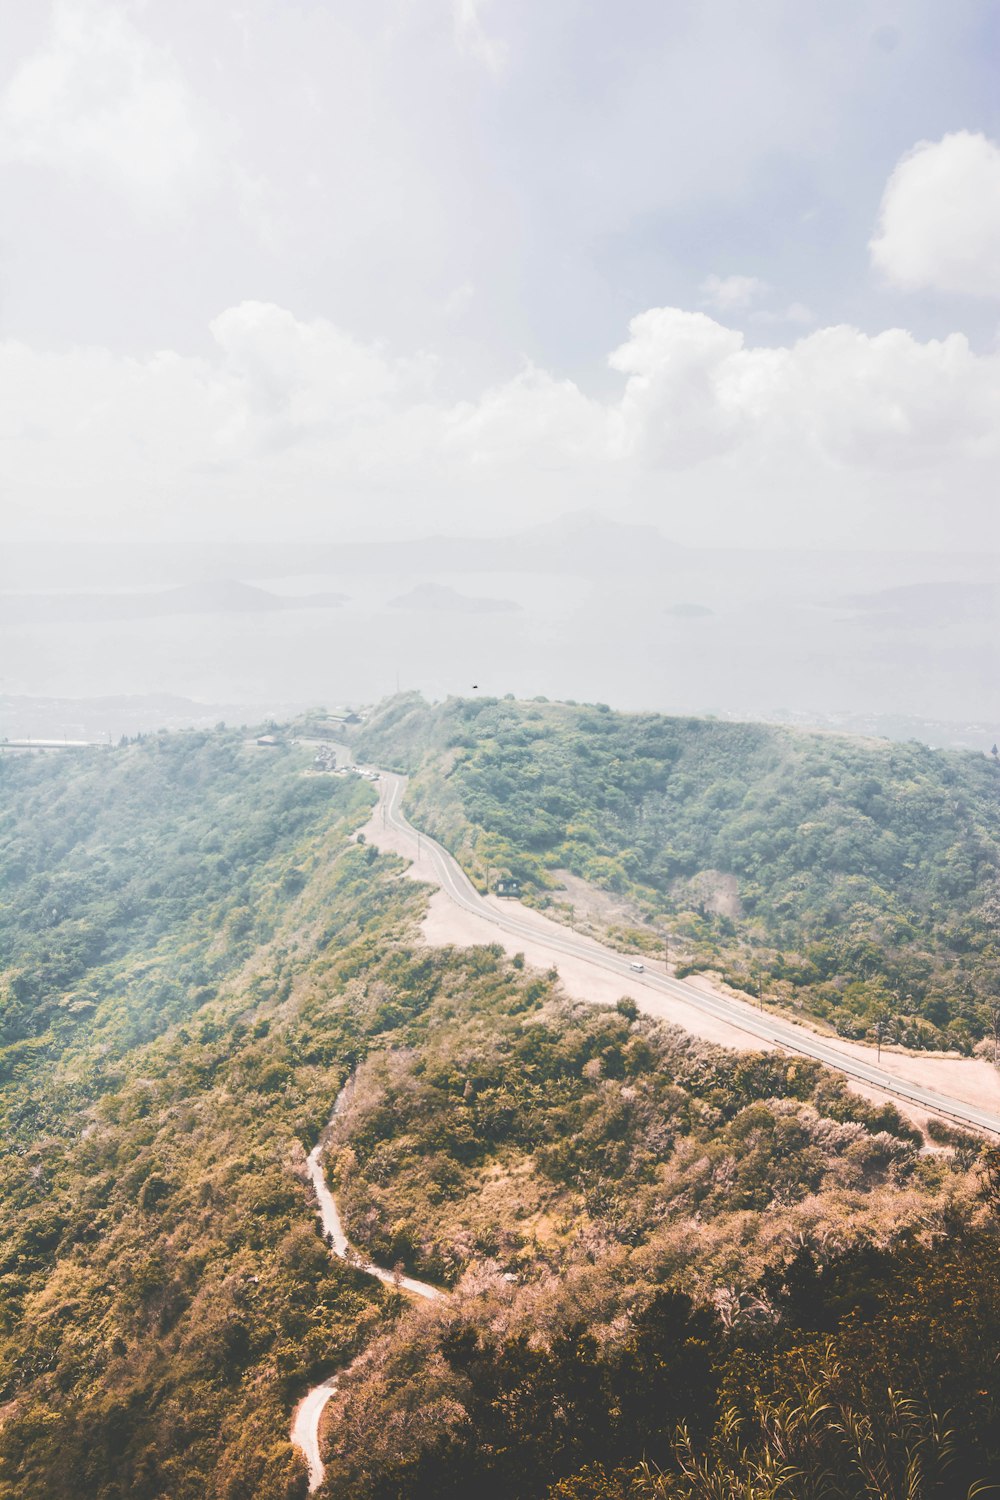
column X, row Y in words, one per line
column 857, row 878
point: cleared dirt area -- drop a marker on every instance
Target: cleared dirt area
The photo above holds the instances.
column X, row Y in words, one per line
column 974, row 1081
column 446, row 923
column 592, row 911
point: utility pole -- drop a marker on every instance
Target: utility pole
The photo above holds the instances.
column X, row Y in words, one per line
column 666, row 953
column 995, row 1018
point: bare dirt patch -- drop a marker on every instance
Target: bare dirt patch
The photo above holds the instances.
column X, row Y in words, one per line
column 586, row 909
column 974, row 1081
column 712, row 891
column 446, row 923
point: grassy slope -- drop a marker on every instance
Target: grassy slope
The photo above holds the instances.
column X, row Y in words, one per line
column 164, row 1294
column 641, row 1227
column 536, row 1137
column 163, row 1291
column 866, row 875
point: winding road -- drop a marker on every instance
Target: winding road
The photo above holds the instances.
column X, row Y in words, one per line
column 433, row 860
column 772, row 1030
column 309, row 1412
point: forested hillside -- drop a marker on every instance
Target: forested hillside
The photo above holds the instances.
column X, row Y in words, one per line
column 644, row 1235
column 857, row 878
column 144, row 876
column 163, row 1292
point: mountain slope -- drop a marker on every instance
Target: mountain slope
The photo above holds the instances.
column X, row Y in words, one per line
column 639, row 1228
column 858, row 878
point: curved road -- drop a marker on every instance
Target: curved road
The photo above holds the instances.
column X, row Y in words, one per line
column 457, row 886
column 308, row 1413
column 776, row 1032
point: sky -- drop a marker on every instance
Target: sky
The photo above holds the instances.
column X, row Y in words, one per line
column 330, row 270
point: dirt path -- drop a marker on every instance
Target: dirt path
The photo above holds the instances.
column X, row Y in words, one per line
column 920, row 1085
column 309, row 1412
column 305, row 1428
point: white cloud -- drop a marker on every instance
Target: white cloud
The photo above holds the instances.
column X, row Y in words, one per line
column 676, row 408
column 310, row 370
column 939, row 224
column 472, row 38
column 732, row 293
column 101, row 100
column 290, row 424
column 884, row 403
column 888, row 403
column 532, row 420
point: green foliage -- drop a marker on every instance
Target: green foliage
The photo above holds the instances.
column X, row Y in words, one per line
column 119, row 870
column 860, row 878
column 163, row 1291
column 870, row 1373
column 643, row 1231
column 506, row 1123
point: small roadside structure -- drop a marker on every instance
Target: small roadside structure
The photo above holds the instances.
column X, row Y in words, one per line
column 269, row 741
column 507, row 886
column 330, row 726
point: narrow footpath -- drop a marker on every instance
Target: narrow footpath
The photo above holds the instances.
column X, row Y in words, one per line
column 958, row 1089
column 309, row 1412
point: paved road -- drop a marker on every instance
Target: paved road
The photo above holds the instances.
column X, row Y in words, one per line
column 456, row 884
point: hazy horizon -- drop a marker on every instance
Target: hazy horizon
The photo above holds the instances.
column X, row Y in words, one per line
column 316, row 299
column 593, row 413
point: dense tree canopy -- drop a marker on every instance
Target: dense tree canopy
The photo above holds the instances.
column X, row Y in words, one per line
column 860, row 878
column 658, row 1250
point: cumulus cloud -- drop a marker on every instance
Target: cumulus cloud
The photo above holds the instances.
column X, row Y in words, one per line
column 888, row 402
column 305, row 375
column 532, row 419
column 288, row 423
column 99, row 99
column 939, row 224
column 678, row 406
